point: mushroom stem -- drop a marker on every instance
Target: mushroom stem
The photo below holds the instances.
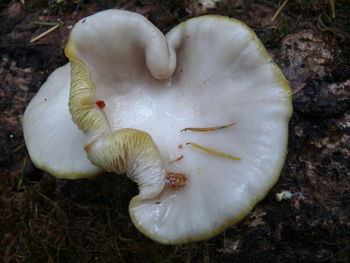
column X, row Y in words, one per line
column 88, row 116
column 132, row 152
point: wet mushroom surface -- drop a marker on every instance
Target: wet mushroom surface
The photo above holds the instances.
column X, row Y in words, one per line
column 44, row 219
column 202, row 136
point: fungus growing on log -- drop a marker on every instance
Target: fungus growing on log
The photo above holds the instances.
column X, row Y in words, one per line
column 198, row 118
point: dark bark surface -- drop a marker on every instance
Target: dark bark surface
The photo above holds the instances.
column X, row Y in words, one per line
column 44, row 219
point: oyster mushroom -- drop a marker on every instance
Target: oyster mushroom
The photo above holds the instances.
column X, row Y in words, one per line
column 197, row 118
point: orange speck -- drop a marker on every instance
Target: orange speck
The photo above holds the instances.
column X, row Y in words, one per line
column 101, row 104
column 87, row 147
column 180, row 146
column 177, row 159
column 176, row 180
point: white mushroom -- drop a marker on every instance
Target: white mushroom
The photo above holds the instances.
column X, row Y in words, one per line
column 198, row 118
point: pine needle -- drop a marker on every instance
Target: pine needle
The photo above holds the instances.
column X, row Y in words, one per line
column 45, row 33
column 331, row 3
column 279, row 10
column 214, row 152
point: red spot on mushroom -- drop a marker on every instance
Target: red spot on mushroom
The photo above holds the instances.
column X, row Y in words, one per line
column 101, row 104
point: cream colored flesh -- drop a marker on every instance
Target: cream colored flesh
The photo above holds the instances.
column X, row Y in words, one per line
column 208, row 71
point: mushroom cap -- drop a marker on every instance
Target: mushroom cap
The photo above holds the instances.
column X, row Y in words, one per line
column 54, row 142
column 208, row 71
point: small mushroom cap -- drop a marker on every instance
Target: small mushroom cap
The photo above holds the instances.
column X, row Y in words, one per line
column 209, row 71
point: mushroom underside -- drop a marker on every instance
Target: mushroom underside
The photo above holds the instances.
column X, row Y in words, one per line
column 222, row 76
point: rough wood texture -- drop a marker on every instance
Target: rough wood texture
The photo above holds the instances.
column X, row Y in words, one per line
column 51, row 220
